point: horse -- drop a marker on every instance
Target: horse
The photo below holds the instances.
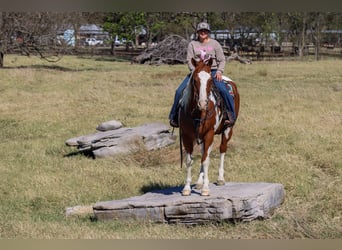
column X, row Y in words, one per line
column 200, row 119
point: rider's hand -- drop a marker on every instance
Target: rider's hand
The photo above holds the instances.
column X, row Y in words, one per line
column 218, row 75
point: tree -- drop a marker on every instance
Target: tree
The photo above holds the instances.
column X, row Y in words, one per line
column 308, row 27
column 124, row 25
column 180, row 23
column 37, row 32
column 30, row 33
column 130, row 25
column 315, row 26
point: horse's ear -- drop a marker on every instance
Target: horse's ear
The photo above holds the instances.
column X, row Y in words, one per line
column 194, row 62
column 210, row 61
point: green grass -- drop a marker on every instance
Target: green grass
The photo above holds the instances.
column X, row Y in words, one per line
column 288, row 131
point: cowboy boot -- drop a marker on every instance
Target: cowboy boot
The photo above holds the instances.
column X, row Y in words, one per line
column 229, row 120
column 174, row 121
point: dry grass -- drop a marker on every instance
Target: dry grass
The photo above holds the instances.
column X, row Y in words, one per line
column 288, row 131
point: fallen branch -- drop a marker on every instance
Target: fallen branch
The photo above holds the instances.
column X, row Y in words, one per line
column 172, row 50
column 235, row 56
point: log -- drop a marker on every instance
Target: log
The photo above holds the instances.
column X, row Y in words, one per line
column 82, row 211
column 113, row 139
column 235, row 56
column 231, row 202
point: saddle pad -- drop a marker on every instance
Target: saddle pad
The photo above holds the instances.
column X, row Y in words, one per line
column 226, row 79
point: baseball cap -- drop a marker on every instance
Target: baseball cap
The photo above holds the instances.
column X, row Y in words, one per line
column 203, row 26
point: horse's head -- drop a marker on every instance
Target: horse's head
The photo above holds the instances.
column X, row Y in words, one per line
column 202, row 81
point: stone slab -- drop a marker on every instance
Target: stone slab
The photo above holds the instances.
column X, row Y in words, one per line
column 233, row 201
column 113, row 139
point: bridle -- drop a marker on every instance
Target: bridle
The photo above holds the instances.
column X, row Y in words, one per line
column 195, row 111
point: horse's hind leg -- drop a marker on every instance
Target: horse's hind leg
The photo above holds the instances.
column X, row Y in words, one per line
column 220, row 179
column 223, row 148
column 187, row 188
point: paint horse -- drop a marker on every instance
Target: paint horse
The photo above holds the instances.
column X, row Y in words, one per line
column 200, row 119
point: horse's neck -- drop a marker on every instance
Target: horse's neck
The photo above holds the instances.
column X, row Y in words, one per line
column 192, row 100
column 187, row 95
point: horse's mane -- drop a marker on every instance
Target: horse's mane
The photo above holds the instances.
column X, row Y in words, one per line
column 186, row 94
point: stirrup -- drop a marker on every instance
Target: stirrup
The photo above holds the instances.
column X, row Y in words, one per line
column 228, row 123
column 174, row 124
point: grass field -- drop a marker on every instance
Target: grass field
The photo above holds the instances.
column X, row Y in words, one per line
column 288, row 131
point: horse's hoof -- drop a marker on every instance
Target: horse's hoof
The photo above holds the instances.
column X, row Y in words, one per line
column 186, row 192
column 205, row 193
column 199, row 186
column 220, row 183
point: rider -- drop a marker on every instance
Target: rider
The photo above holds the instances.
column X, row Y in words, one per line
column 204, row 45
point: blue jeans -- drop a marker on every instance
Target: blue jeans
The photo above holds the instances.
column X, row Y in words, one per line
column 174, row 110
column 220, row 85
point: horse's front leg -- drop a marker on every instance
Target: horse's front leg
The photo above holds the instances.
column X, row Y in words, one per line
column 205, row 166
column 187, row 188
column 199, row 183
column 207, row 147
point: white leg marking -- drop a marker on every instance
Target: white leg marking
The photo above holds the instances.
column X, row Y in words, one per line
column 199, row 183
column 187, row 188
column 226, row 132
column 206, row 162
column 220, row 180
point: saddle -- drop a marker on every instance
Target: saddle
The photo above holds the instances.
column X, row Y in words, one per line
column 218, row 96
column 227, row 80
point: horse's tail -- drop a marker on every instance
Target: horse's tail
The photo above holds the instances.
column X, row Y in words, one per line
column 180, row 148
column 236, row 98
column 180, row 141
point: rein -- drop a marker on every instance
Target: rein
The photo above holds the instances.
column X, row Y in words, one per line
column 198, row 121
column 209, row 113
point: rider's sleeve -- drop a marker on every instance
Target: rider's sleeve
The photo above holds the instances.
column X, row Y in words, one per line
column 220, row 58
column 190, row 55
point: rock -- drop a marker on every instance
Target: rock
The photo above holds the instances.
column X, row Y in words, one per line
column 72, row 141
column 109, row 125
column 156, row 141
column 120, row 140
column 233, row 201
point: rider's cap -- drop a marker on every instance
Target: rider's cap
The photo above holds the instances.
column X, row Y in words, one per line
column 203, row 26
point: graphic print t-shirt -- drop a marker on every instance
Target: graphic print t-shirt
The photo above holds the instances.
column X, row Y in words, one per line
column 212, row 48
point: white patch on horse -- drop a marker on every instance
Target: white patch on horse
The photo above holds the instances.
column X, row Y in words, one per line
column 217, row 111
column 218, row 119
column 226, row 132
column 203, row 100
